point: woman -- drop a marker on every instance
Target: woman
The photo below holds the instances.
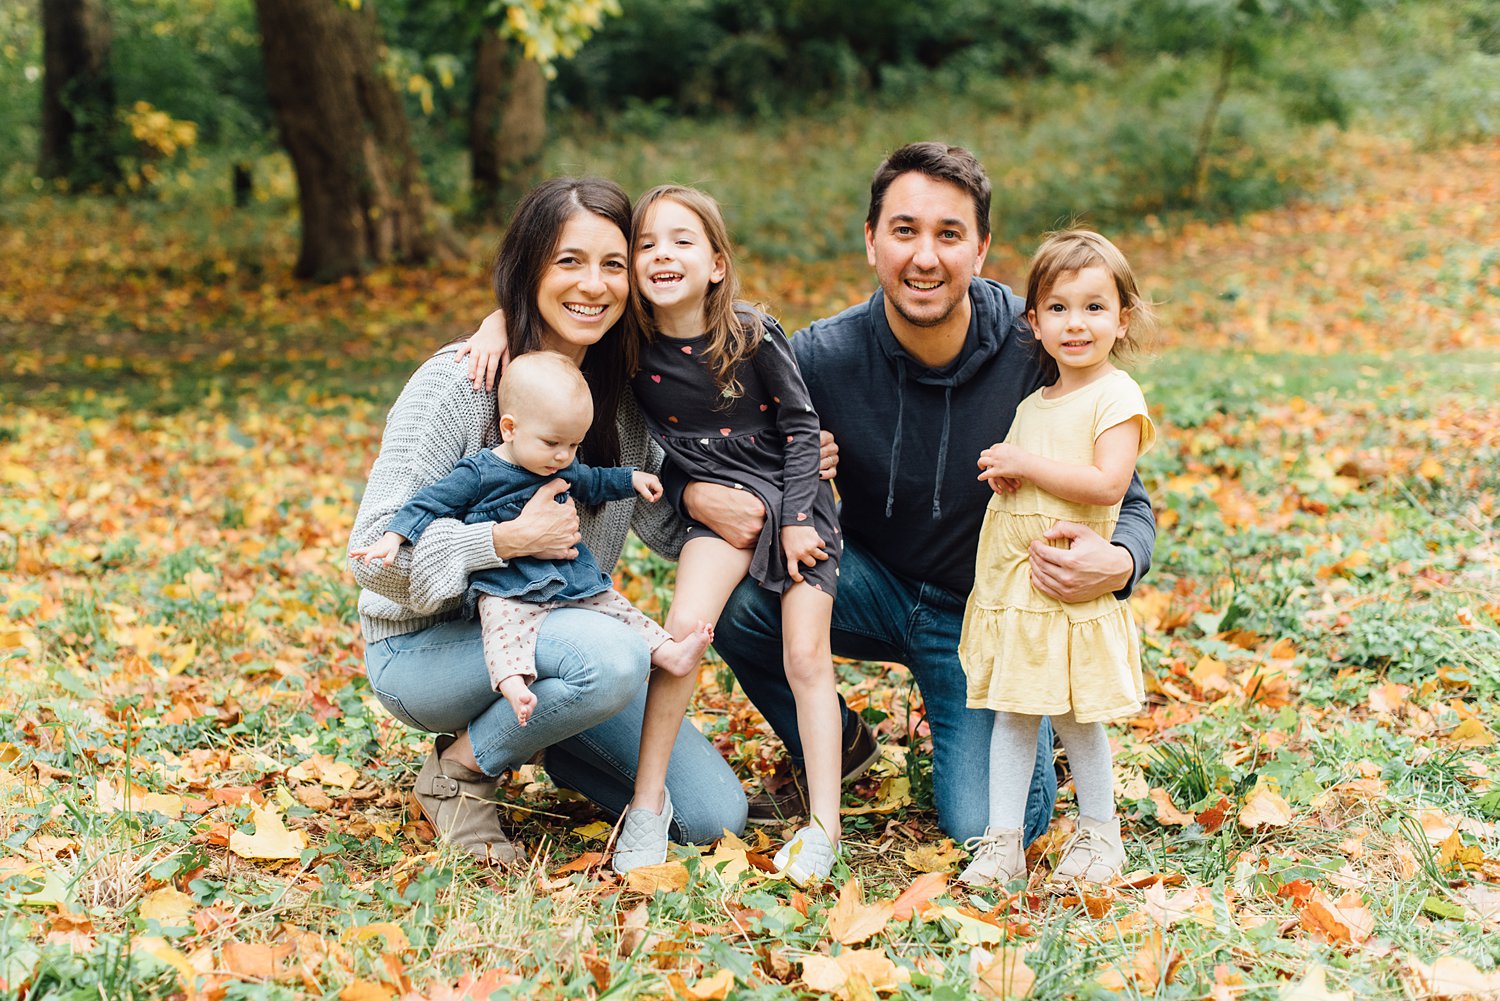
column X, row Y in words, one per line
column 562, row 278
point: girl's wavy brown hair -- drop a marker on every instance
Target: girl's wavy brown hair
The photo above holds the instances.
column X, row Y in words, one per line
column 733, row 327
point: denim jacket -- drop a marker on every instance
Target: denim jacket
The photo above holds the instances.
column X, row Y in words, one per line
column 485, row 487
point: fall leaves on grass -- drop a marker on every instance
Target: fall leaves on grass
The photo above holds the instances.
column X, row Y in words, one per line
column 200, row 796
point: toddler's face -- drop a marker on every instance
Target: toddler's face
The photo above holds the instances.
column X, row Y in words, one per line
column 544, row 438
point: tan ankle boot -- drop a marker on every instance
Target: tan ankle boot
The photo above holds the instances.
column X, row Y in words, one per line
column 999, row 857
column 460, row 805
column 1094, row 854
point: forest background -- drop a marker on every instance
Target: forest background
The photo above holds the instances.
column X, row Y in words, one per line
column 199, row 796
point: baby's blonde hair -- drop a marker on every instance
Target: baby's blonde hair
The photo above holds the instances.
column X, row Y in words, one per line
column 541, row 378
column 1069, row 252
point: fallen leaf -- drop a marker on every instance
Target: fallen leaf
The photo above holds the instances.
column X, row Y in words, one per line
column 1003, row 974
column 870, row 968
column 926, row 887
column 169, row 906
column 942, row 856
column 271, row 840
column 366, row 990
column 852, row 921
column 891, row 795
column 393, row 934
column 597, row 831
column 730, row 859
column 1471, row 733
column 1452, row 977
column 128, row 797
column 714, row 988
column 664, row 877
column 253, row 960
column 1314, row 987
column 1264, row 807
column 1167, row 812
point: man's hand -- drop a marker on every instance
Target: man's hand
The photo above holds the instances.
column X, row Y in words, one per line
column 544, row 528
column 803, row 547
column 488, row 349
column 828, row 455
column 737, row 516
column 647, row 485
column 1090, row 568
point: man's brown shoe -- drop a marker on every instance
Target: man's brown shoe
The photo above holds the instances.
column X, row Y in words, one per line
column 460, row 805
column 783, row 794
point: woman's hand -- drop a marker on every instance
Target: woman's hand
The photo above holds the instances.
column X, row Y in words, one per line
column 828, row 455
column 488, row 349
column 647, row 485
column 736, row 516
column 544, row 528
column 803, row 547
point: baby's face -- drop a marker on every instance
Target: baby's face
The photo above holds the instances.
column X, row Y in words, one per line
column 544, row 438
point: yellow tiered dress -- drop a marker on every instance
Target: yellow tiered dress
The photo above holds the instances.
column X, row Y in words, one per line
column 1023, row 651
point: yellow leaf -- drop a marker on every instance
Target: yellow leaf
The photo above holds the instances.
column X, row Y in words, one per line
column 662, row 878
column 867, row 968
column 395, row 937
column 892, row 794
column 112, row 798
column 271, row 839
column 1314, row 987
column 169, row 906
column 158, row 949
column 1471, row 733
column 729, row 860
column 943, row 856
column 1004, row 974
column 714, row 988
column 1451, row 977
column 52, row 893
column 1430, row 469
column 966, row 928
column 852, row 921
column 597, row 831
column 366, row 990
column 1264, row 807
column 14, row 473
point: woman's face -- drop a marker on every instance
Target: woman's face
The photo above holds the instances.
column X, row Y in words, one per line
column 585, row 287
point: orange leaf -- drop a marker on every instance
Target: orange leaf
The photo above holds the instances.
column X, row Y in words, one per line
column 926, row 887
column 1264, row 807
column 852, row 921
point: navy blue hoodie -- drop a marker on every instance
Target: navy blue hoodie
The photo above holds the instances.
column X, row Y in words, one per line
column 909, row 436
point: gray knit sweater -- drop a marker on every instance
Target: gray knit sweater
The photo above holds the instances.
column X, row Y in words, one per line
column 439, row 419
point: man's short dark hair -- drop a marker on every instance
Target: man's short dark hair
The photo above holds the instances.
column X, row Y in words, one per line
column 940, row 162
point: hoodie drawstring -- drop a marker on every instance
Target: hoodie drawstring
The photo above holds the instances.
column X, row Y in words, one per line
column 942, row 458
column 890, row 491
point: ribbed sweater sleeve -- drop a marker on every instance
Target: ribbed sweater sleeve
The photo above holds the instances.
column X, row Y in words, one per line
column 438, row 420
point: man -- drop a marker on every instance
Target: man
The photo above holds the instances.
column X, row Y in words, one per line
column 913, row 384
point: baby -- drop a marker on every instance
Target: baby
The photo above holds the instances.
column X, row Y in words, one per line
column 545, row 411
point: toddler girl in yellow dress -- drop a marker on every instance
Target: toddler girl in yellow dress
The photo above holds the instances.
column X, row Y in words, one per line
column 1069, row 456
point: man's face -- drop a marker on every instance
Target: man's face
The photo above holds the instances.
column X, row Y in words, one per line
column 925, row 248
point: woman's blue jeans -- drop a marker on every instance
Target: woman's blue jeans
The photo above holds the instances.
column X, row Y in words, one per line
column 881, row 616
column 591, row 696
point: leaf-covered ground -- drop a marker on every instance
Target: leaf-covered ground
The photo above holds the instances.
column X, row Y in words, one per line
column 199, row 797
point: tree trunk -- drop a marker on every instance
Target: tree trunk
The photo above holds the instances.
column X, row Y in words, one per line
column 507, row 124
column 78, row 141
column 359, row 182
column 1211, row 119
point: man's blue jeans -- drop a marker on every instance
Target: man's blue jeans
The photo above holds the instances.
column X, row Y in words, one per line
column 591, row 697
column 878, row 615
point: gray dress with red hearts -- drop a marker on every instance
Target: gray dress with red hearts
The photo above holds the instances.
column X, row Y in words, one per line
column 764, row 440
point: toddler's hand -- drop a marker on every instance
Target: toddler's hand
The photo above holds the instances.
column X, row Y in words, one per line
column 383, row 551
column 488, row 350
column 522, row 699
column 803, row 547
column 1005, row 461
column 648, row 485
column 1003, row 485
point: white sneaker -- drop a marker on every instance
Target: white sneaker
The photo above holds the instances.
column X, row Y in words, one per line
column 999, row 857
column 807, row 857
column 643, row 837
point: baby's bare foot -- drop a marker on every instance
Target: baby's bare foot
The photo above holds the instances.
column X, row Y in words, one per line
column 681, row 657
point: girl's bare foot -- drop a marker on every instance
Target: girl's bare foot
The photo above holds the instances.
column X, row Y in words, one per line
column 681, row 657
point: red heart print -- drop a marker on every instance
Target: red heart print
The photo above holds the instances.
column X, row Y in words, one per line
column 687, row 349
column 725, row 431
column 764, row 408
column 801, row 515
column 790, row 438
column 671, row 420
column 656, row 378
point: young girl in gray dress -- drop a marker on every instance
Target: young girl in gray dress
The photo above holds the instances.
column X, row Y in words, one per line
column 721, row 394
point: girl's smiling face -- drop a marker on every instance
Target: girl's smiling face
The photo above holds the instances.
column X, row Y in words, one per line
column 1078, row 321
column 675, row 263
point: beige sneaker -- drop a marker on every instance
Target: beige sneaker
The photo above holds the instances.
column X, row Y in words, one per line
column 460, row 805
column 999, row 857
column 1094, row 854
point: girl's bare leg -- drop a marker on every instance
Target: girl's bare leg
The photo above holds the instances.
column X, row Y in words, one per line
column 806, row 614
column 708, row 572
